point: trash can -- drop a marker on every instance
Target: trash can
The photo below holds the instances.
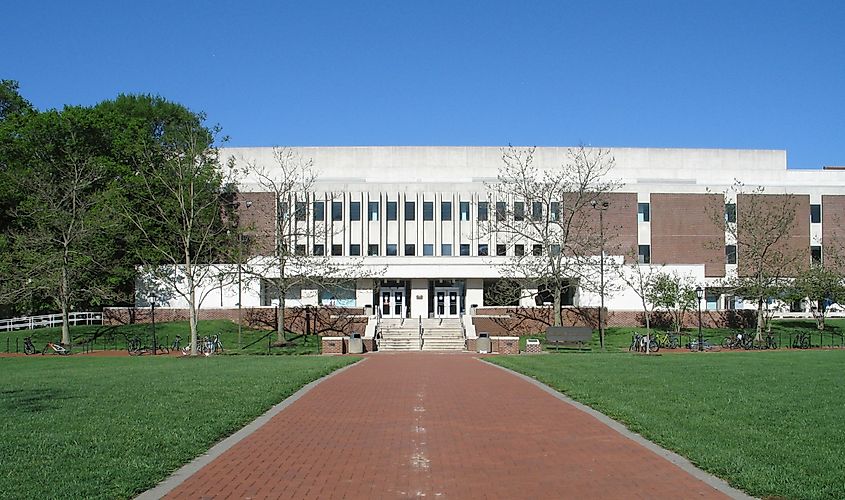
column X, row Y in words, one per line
column 356, row 344
column 368, row 310
column 473, row 309
column 483, row 344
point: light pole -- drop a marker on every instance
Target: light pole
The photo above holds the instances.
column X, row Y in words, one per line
column 601, row 207
column 153, row 297
column 699, row 292
column 240, row 287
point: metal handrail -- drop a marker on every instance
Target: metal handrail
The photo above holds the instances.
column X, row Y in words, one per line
column 421, row 332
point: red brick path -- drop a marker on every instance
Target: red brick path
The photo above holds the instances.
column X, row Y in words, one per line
column 436, row 425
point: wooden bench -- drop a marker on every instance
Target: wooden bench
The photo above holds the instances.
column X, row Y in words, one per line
column 570, row 337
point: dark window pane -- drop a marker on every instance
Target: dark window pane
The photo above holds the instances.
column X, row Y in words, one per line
column 815, row 214
column 372, row 210
column 518, row 211
column 554, row 210
column 501, row 250
column 372, row 250
column 536, row 210
column 643, row 212
column 355, row 210
column 319, row 250
column 391, row 249
column 644, row 256
column 354, row 249
column 410, row 249
column 446, row 249
column 319, row 211
column 337, row 249
column 537, row 250
column 391, row 210
column 483, row 207
column 519, row 250
column 300, row 250
column 428, row 210
column 410, row 210
column 337, row 211
column 428, row 249
column 730, row 254
column 301, row 210
column 482, row 249
column 464, row 208
column 501, row 210
column 464, row 249
column 730, row 212
column 816, row 254
column 446, row 210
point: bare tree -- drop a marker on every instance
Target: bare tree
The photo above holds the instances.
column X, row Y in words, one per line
column 292, row 262
column 761, row 225
column 183, row 223
column 818, row 284
column 676, row 294
column 548, row 212
column 642, row 279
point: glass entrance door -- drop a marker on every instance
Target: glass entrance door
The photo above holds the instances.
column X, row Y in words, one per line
column 447, row 302
column 392, row 302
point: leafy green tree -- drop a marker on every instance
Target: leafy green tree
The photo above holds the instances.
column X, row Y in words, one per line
column 818, row 284
column 674, row 293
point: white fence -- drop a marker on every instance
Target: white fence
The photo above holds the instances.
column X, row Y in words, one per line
column 47, row 320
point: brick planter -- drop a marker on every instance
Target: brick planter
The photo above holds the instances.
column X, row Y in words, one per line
column 332, row 345
column 505, row 345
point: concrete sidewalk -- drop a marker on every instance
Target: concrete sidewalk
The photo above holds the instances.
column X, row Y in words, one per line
column 438, row 425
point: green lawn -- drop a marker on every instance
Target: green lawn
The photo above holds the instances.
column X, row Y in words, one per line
column 110, row 427
column 105, row 337
column 771, row 423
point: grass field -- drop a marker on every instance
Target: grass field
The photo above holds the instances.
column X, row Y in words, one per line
column 112, row 427
column 105, row 337
column 771, row 423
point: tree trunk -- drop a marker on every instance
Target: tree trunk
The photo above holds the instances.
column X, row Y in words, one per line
column 192, row 307
column 65, row 306
column 557, row 318
column 280, row 322
column 759, row 336
column 647, row 328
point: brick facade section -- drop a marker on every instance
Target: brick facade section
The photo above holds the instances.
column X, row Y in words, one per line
column 258, row 220
column 620, row 224
column 683, row 231
column 325, row 321
column 332, row 345
column 795, row 248
column 505, row 346
column 833, row 231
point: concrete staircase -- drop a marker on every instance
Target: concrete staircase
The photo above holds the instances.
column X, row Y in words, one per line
column 399, row 335
column 443, row 335
column 438, row 335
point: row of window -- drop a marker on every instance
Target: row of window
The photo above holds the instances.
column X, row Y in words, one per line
column 815, row 254
column 519, row 211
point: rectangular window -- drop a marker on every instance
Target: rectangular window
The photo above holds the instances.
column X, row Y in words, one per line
column 372, row 210
column 483, row 207
column 537, row 250
column 555, row 250
column 730, row 212
column 536, row 210
column 319, row 250
column 815, row 214
column 730, row 254
column 319, row 209
column 501, row 211
column 337, row 211
column 354, row 210
column 501, row 250
column 644, row 254
column 445, row 210
column 428, row 210
column 372, row 250
column 519, row 250
column 283, row 209
column 464, row 249
column 301, row 210
column 392, row 208
column 554, row 211
column 518, row 210
column 464, row 208
column 816, row 254
column 410, row 210
column 643, row 212
column 337, row 250
column 446, row 249
column 392, row 250
column 483, row 249
column 355, row 250
column 299, row 249
column 428, row 249
column 410, row 249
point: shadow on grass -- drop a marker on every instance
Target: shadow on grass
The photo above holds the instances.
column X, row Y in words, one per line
column 32, row 400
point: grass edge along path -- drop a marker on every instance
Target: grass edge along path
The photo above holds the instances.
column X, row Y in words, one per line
column 114, row 428
column 766, row 422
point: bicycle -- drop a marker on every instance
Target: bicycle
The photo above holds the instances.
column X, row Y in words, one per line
column 212, row 345
column 666, row 340
column 175, row 345
column 705, row 345
column 59, row 349
column 738, row 340
column 28, row 347
column 801, row 341
column 639, row 343
column 135, row 347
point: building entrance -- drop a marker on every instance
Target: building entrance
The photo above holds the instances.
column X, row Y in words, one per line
column 447, row 302
column 393, row 302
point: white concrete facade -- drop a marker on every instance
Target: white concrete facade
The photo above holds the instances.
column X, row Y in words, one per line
column 425, row 243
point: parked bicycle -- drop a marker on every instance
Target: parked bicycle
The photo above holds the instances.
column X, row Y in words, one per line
column 639, row 343
column 28, row 347
column 59, row 349
column 135, row 347
column 205, row 346
column 801, row 340
column 705, row 345
column 667, row 340
column 176, row 342
column 739, row 340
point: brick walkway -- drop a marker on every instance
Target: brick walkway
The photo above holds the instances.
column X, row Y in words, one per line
column 437, row 425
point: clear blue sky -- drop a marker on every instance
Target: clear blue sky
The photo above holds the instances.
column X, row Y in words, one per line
column 734, row 74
